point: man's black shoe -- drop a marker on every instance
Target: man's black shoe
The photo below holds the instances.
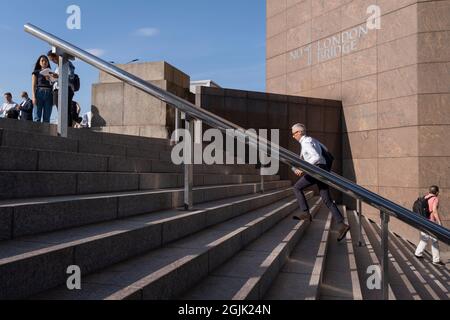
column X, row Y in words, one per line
column 418, row 257
column 343, row 232
column 439, row 264
column 303, row 217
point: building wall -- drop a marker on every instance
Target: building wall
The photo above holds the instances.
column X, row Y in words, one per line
column 258, row 110
column 394, row 84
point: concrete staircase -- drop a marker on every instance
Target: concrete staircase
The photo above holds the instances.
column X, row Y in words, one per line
column 110, row 204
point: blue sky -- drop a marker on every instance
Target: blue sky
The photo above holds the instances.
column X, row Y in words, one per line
column 219, row 40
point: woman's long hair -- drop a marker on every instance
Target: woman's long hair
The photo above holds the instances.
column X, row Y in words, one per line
column 37, row 66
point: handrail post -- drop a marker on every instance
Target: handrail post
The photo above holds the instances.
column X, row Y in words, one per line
column 189, row 165
column 63, row 93
column 385, row 254
column 359, row 208
column 262, row 183
column 177, row 125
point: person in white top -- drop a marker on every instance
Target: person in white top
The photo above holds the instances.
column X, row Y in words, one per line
column 312, row 152
column 8, row 105
column 53, row 57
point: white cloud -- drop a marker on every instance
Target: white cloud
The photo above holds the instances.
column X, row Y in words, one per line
column 96, row 52
column 147, row 32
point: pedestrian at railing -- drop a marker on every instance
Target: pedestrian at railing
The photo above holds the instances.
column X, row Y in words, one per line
column 42, row 94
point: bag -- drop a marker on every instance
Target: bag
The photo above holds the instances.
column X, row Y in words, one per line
column 422, row 208
column 12, row 114
column 75, row 82
column 328, row 158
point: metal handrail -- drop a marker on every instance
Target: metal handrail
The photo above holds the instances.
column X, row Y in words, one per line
column 340, row 183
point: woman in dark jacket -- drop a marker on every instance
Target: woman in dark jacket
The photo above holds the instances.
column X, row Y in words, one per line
column 42, row 90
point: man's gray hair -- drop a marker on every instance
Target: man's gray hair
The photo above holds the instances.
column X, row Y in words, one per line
column 299, row 127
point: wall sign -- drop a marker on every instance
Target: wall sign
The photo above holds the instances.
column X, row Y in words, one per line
column 332, row 47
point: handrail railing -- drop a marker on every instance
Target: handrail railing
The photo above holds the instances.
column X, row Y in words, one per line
column 342, row 184
column 387, row 208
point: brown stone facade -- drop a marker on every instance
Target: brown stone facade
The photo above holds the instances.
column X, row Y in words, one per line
column 394, row 84
column 258, row 110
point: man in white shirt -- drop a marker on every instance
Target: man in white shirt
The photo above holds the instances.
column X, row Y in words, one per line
column 53, row 57
column 8, row 105
column 312, row 153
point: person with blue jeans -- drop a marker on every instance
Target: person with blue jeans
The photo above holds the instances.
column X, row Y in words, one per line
column 312, row 153
column 42, row 90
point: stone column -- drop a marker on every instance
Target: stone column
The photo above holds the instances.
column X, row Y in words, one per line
column 120, row 108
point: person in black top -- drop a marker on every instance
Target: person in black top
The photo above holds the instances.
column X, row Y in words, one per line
column 42, row 90
column 75, row 113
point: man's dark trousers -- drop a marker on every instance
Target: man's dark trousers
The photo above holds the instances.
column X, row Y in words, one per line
column 308, row 181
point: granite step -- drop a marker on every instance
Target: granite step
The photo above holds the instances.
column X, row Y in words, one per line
column 445, row 270
column 433, row 276
column 301, row 276
column 442, row 272
column 250, row 273
column 30, row 184
column 33, row 264
column 23, row 140
column 366, row 258
column 398, row 279
column 32, row 216
column 83, row 134
column 19, row 139
column 29, row 159
column 340, row 280
column 170, row 271
column 423, row 288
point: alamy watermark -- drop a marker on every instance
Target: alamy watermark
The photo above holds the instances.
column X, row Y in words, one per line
column 226, row 151
column 374, row 280
column 74, row 20
column 74, row 280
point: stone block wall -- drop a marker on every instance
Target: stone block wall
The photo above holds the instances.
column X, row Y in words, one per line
column 123, row 109
column 394, row 84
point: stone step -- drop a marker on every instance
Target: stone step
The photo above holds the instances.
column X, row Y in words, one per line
column 17, row 139
column 434, row 281
column 117, row 139
column 422, row 287
column 34, row 264
column 83, row 134
column 250, row 273
column 398, row 279
column 23, row 140
column 19, row 159
column 445, row 270
column 340, row 280
column 26, row 217
column 30, row 184
column 168, row 272
column 365, row 258
column 302, row 274
column 442, row 273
